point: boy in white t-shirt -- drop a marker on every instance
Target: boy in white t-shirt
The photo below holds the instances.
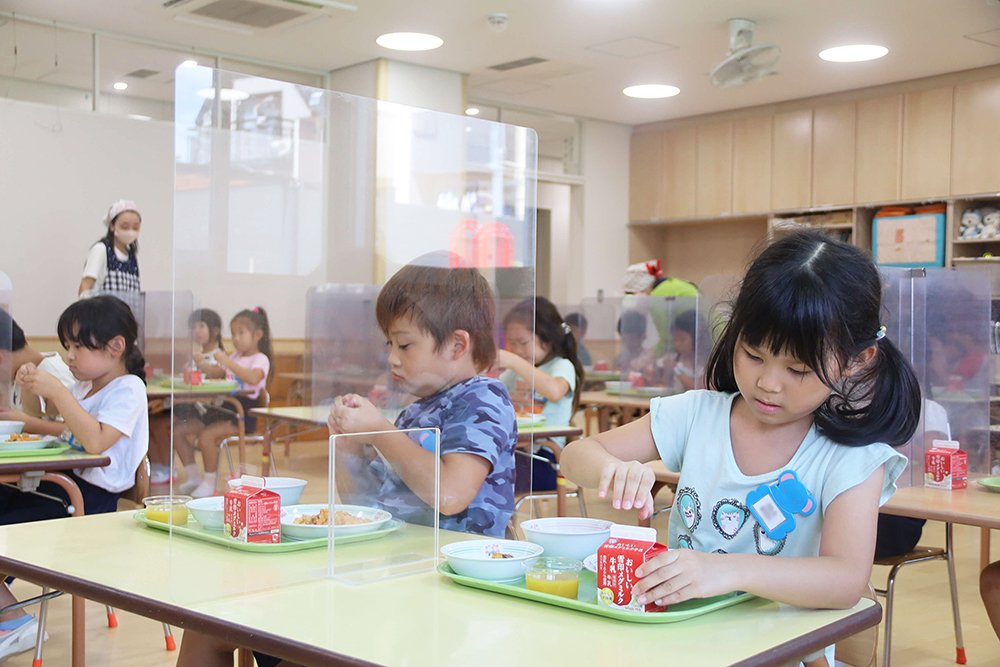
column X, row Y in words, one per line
column 30, row 409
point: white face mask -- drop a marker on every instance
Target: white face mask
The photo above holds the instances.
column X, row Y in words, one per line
column 126, row 237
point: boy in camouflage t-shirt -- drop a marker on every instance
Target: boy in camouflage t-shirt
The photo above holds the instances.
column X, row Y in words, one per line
column 439, row 327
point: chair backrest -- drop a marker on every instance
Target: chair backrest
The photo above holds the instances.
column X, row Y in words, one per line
column 141, row 487
column 859, row 650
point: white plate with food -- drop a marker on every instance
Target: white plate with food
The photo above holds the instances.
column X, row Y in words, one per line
column 20, row 441
column 528, row 420
column 590, row 562
column 310, row 521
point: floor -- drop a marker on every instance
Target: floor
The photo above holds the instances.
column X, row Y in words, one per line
column 923, row 634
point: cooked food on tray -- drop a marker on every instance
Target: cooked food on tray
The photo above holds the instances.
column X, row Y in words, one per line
column 340, row 518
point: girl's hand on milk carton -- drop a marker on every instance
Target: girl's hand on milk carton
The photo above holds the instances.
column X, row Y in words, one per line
column 630, row 484
column 356, row 414
column 681, row 574
column 38, row 382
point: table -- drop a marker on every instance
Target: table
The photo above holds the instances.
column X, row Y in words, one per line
column 420, row 620
column 27, row 473
column 605, row 402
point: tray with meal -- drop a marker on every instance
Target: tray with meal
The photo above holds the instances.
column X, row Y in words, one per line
column 13, row 445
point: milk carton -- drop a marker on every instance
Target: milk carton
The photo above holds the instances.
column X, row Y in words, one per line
column 251, row 513
column 617, row 559
column 946, row 466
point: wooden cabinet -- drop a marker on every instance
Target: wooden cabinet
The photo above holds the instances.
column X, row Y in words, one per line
column 833, row 155
column 678, row 171
column 791, row 162
column 645, row 189
column 877, row 148
column 752, row 164
column 715, row 170
column 976, row 144
column 927, row 118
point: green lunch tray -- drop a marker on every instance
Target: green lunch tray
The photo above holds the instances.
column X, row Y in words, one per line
column 206, row 387
column 196, row 531
column 586, row 599
column 55, row 449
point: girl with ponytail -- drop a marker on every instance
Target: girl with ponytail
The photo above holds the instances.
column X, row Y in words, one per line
column 542, row 356
column 789, row 452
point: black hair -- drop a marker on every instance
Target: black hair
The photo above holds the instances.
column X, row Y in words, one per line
column 541, row 315
column 11, row 335
column 109, row 238
column 211, row 320
column 633, row 323
column 819, row 301
column 257, row 318
column 577, row 320
column 96, row 321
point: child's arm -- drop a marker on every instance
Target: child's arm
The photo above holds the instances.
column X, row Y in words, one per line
column 33, row 424
column 613, row 461
column 249, row 376
column 211, row 371
column 461, row 475
column 836, row 579
column 552, row 388
column 92, row 435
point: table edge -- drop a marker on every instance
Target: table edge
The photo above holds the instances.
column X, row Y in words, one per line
column 181, row 617
column 54, row 465
column 796, row 649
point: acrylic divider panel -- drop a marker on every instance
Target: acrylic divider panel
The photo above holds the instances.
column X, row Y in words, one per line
column 293, row 209
column 898, row 319
column 7, row 386
column 657, row 345
column 382, row 517
column 602, row 337
column 715, row 297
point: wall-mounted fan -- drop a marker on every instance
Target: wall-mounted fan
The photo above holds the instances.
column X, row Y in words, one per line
column 746, row 62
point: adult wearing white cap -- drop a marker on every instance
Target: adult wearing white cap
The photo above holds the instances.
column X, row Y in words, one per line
column 648, row 278
column 112, row 265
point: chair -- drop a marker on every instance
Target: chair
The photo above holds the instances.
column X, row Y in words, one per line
column 560, row 494
column 859, row 650
column 919, row 555
column 263, row 401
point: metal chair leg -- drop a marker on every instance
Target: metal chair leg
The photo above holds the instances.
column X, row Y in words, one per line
column 43, row 615
column 112, row 619
column 890, row 584
column 538, row 508
column 579, row 497
column 959, row 644
column 168, row 636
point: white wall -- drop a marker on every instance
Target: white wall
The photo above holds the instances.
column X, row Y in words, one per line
column 556, row 199
column 599, row 253
column 425, row 87
column 60, row 170
column 355, row 80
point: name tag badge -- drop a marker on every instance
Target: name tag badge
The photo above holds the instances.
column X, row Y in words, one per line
column 773, row 505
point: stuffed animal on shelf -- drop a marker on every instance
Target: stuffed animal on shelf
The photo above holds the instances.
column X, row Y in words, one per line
column 972, row 223
column 991, row 223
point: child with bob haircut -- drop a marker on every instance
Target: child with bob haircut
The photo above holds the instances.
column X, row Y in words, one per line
column 808, row 395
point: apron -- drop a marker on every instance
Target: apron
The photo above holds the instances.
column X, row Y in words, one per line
column 121, row 276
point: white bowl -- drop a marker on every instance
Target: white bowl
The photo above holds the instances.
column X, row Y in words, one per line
column 289, row 488
column 616, row 387
column 305, row 531
column 473, row 558
column 570, row 537
column 208, row 512
column 8, row 427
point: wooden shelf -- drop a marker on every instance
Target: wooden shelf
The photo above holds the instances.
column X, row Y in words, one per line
column 995, row 239
column 973, row 260
column 778, row 226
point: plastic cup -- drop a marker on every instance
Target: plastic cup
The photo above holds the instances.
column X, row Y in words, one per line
column 167, row 509
column 555, row 576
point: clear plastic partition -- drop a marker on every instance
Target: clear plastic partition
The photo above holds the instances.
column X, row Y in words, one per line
column 600, row 338
column 657, row 345
column 294, row 208
column 6, row 330
column 715, row 297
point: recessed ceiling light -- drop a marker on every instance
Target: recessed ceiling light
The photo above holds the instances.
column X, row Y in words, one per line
column 190, row 63
column 651, row 91
column 120, row 85
column 409, row 41
column 853, row 53
column 472, row 111
column 138, row 116
column 226, row 94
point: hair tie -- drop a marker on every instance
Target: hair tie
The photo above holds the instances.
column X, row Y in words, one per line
column 256, row 310
column 881, row 333
column 566, row 329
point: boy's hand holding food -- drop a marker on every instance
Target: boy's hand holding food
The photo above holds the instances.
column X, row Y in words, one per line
column 355, row 414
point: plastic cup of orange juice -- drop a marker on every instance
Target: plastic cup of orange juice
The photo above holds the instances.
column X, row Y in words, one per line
column 167, row 509
column 556, row 576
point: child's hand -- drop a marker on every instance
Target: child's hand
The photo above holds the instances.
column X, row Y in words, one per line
column 220, row 356
column 681, row 574
column 631, row 486
column 39, row 382
column 355, row 414
column 12, row 415
column 22, row 373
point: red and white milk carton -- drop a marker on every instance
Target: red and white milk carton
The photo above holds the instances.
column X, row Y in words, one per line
column 252, row 513
column 626, row 549
column 946, row 466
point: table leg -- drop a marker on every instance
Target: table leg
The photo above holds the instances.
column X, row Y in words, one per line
column 242, row 428
column 244, row 657
column 984, row 548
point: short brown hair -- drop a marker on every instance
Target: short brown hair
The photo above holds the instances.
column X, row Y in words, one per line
column 442, row 301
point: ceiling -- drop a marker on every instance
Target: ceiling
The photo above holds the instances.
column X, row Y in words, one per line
column 591, row 46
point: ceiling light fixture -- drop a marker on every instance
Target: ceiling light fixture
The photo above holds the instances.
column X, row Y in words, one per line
column 120, row 85
column 853, row 53
column 650, row 91
column 409, row 41
column 225, row 94
column 138, row 116
column 472, row 111
column 190, row 63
